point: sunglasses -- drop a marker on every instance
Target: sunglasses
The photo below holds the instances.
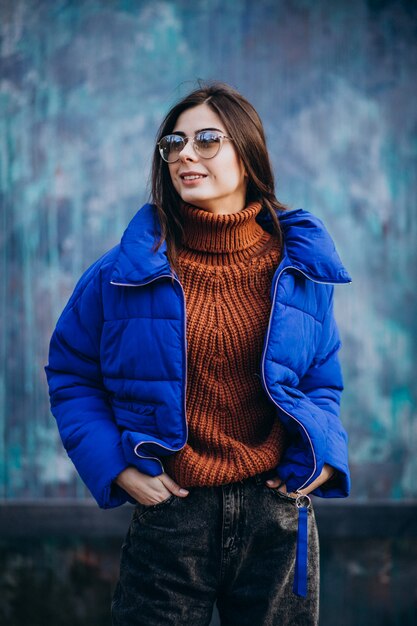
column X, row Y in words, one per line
column 206, row 143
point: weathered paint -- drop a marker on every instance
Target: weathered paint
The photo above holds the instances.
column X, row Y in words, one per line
column 84, row 86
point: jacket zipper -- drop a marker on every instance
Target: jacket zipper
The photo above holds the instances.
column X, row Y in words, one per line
column 264, row 358
column 142, row 456
column 262, row 364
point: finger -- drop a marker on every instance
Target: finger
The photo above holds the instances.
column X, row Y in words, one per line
column 172, row 486
column 152, row 491
column 326, row 473
column 273, row 482
column 142, row 487
column 276, row 483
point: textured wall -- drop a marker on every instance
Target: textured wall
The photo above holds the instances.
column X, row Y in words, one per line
column 83, row 88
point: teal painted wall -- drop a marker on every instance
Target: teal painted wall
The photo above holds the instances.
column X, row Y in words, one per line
column 83, row 88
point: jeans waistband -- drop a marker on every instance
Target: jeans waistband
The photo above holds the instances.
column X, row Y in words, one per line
column 257, row 479
column 260, row 478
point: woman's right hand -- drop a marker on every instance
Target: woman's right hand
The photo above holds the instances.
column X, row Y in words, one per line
column 147, row 489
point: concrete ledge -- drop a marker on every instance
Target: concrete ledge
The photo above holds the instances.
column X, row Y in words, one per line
column 65, row 518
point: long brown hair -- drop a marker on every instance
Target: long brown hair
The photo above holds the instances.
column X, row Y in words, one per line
column 244, row 125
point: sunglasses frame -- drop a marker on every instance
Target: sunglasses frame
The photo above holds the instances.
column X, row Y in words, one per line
column 195, row 148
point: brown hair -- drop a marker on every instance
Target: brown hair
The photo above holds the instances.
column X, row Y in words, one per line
column 244, row 125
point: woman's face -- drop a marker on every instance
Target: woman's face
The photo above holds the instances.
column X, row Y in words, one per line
column 222, row 186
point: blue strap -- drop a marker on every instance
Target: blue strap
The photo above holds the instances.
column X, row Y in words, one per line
column 300, row 576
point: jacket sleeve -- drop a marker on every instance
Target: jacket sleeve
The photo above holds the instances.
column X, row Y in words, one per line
column 323, row 385
column 78, row 398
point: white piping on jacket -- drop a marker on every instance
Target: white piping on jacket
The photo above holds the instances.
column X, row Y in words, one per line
column 264, row 358
column 137, row 446
column 136, row 449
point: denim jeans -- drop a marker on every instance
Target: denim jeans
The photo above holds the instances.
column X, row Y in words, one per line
column 233, row 544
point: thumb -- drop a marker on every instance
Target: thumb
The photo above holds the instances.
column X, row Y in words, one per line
column 172, row 486
column 276, row 483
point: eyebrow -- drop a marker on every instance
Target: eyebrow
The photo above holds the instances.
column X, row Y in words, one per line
column 200, row 130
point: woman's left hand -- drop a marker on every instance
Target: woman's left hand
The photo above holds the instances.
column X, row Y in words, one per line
column 327, row 472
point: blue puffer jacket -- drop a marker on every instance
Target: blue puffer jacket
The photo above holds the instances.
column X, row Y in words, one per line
column 118, row 360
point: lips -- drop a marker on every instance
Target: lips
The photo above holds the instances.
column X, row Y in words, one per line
column 192, row 176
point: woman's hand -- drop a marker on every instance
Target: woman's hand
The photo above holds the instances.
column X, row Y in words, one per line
column 146, row 489
column 327, row 472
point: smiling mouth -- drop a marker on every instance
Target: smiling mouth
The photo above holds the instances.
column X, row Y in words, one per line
column 193, row 176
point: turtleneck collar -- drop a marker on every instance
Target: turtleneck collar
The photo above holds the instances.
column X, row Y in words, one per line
column 222, row 234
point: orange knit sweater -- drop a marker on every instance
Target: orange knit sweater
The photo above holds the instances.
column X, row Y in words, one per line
column 226, row 266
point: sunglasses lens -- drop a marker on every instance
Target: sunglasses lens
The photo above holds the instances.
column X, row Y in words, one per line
column 207, row 143
column 170, row 147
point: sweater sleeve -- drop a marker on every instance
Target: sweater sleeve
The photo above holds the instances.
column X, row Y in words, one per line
column 78, row 397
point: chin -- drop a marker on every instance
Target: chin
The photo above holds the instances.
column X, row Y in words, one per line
column 192, row 198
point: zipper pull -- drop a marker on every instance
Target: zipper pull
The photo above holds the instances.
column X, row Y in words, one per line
column 303, row 503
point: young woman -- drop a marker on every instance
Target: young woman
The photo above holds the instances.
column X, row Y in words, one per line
column 194, row 373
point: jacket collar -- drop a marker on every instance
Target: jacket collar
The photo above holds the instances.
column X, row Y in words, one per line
column 135, row 262
column 308, row 247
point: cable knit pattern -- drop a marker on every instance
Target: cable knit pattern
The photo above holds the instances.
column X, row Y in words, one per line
column 226, row 266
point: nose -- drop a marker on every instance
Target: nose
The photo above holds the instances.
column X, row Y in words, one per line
column 188, row 152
